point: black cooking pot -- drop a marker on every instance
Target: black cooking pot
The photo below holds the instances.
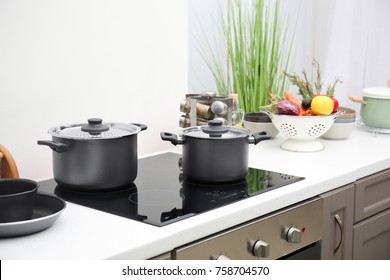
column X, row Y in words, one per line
column 17, row 199
column 94, row 156
column 215, row 153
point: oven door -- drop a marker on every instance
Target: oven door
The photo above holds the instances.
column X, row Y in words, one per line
column 310, row 252
column 294, row 232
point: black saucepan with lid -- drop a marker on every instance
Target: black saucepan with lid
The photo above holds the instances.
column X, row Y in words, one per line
column 215, row 152
column 94, row 156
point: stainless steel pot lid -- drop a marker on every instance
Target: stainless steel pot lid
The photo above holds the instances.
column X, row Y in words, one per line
column 95, row 128
column 215, row 130
column 377, row 92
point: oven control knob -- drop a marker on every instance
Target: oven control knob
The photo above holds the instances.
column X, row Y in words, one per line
column 260, row 249
column 293, row 235
column 221, row 258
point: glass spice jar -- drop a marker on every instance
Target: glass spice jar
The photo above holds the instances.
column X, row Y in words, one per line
column 202, row 110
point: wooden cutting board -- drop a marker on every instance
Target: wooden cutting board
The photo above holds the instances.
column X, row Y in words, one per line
column 8, row 168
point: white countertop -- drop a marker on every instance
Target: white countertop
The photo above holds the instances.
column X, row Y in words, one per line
column 83, row 233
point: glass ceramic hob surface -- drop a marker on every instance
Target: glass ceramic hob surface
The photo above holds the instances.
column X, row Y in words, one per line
column 161, row 195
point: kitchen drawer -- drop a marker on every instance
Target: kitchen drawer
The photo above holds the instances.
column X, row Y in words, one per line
column 372, row 195
column 371, row 238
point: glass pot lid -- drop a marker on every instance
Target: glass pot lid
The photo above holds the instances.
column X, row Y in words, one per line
column 215, row 130
column 95, row 128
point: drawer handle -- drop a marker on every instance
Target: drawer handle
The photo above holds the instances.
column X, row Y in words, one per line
column 340, row 225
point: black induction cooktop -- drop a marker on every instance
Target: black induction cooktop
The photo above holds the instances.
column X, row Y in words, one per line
column 161, row 195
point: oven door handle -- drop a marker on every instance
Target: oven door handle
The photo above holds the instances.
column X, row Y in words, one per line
column 339, row 223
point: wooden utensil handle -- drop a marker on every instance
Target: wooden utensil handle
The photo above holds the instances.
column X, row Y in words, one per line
column 388, row 83
column 1, row 156
column 7, row 164
column 356, row 99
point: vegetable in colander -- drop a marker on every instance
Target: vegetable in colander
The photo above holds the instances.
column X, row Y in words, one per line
column 287, row 107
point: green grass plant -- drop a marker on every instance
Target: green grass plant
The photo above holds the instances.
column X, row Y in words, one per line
column 259, row 41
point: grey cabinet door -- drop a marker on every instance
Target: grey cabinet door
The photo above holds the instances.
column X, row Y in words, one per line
column 372, row 195
column 371, row 239
column 337, row 227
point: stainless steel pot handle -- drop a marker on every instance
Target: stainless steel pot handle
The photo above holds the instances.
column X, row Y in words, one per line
column 142, row 126
column 166, row 136
column 55, row 146
column 258, row 137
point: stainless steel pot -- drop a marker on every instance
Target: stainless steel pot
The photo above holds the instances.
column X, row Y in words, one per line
column 215, row 153
column 94, row 156
column 375, row 106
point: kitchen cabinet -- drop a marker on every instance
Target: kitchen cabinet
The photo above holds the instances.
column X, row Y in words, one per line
column 337, row 227
column 371, row 238
column 163, row 257
column 371, row 230
column 356, row 219
column 372, row 195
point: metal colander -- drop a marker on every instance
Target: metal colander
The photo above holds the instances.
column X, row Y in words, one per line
column 302, row 131
column 314, row 131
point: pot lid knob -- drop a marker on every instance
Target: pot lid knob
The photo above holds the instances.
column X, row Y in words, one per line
column 215, row 128
column 95, row 126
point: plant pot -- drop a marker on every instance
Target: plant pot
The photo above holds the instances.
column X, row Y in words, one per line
column 260, row 121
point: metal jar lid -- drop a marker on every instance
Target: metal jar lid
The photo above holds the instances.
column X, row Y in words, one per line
column 377, row 92
column 94, row 129
column 216, row 130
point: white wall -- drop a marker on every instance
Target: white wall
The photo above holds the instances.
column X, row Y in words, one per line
column 349, row 38
column 204, row 19
column 67, row 61
column 355, row 44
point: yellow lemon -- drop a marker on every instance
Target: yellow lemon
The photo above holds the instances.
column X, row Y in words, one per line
column 322, row 105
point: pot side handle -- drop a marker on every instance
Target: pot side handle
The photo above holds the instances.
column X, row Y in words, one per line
column 142, row 126
column 55, row 146
column 258, row 137
column 357, row 99
column 166, row 136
